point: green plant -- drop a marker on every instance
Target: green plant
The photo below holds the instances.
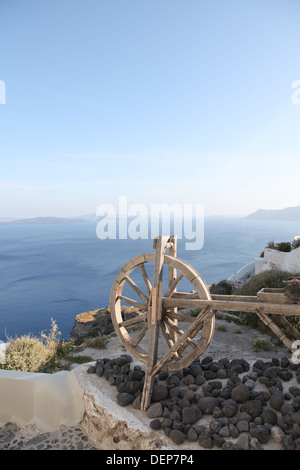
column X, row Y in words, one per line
column 267, row 279
column 296, row 243
column 222, row 288
column 271, row 244
column 65, row 347
column 80, row 359
column 259, row 343
column 99, row 342
column 27, row 353
column 272, row 278
column 195, row 312
column 221, row 328
column 284, row 246
column 51, row 339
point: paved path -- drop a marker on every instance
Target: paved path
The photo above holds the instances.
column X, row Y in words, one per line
column 13, row 437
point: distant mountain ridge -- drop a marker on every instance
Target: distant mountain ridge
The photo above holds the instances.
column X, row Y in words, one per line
column 289, row 213
column 40, row 220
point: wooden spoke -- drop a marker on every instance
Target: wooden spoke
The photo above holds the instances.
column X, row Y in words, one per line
column 194, row 326
column 140, row 336
column 132, row 302
column 173, row 285
column 137, row 289
column 167, row 335
column 146, row 279
column 177, row 330
column 134, row 321
column 180, row 317
column 173, row 326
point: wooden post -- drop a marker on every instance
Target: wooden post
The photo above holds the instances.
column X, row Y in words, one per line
column 155, row 312
column 172, row 277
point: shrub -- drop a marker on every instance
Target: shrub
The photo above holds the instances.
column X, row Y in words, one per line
column 259, row 343
column 80, row 359
column 27, row 354
column 221, row 328
column 223, row 288
column 271, row 244
column 99, row 342
column 65, row 347
column 295, row 243
column 268, row 279
column 284, row 246
column 272, row 278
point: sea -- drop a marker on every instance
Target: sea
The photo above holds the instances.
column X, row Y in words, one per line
column 54, row 272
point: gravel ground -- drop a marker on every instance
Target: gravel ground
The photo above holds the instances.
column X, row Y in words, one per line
column 13, row 437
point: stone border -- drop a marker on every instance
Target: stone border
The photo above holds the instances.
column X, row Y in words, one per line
column 242, row 406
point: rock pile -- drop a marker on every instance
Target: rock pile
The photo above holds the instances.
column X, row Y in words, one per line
column 217, row 404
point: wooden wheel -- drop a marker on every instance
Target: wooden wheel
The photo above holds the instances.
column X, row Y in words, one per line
column 185, row 336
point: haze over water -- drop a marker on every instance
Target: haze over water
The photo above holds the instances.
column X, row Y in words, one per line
column 58, row 271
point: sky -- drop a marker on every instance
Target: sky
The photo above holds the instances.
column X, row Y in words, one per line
column 161, row 101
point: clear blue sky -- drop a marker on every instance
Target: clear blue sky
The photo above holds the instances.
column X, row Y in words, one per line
column 163, row 101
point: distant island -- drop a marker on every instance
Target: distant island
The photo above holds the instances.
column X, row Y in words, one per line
column 40, row 220
column 290, row 213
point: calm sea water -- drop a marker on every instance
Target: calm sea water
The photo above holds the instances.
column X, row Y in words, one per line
column 58, row 271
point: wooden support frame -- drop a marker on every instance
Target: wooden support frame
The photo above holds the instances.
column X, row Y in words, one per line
column 158, row 311
column 155, row 319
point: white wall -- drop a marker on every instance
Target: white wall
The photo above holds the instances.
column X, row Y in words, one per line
column 47, row 400
column 244, row 273
column 274, row 259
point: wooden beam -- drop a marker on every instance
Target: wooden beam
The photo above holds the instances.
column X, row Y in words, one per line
column 235, row 298
column 273, row 327
column 233, row 306
column 185, row 295
column 287, row 325
column 195, row 295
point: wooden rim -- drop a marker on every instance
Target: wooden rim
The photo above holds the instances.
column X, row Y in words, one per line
column 172, row 326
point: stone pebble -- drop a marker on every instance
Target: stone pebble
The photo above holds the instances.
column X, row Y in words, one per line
column 222, row 390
